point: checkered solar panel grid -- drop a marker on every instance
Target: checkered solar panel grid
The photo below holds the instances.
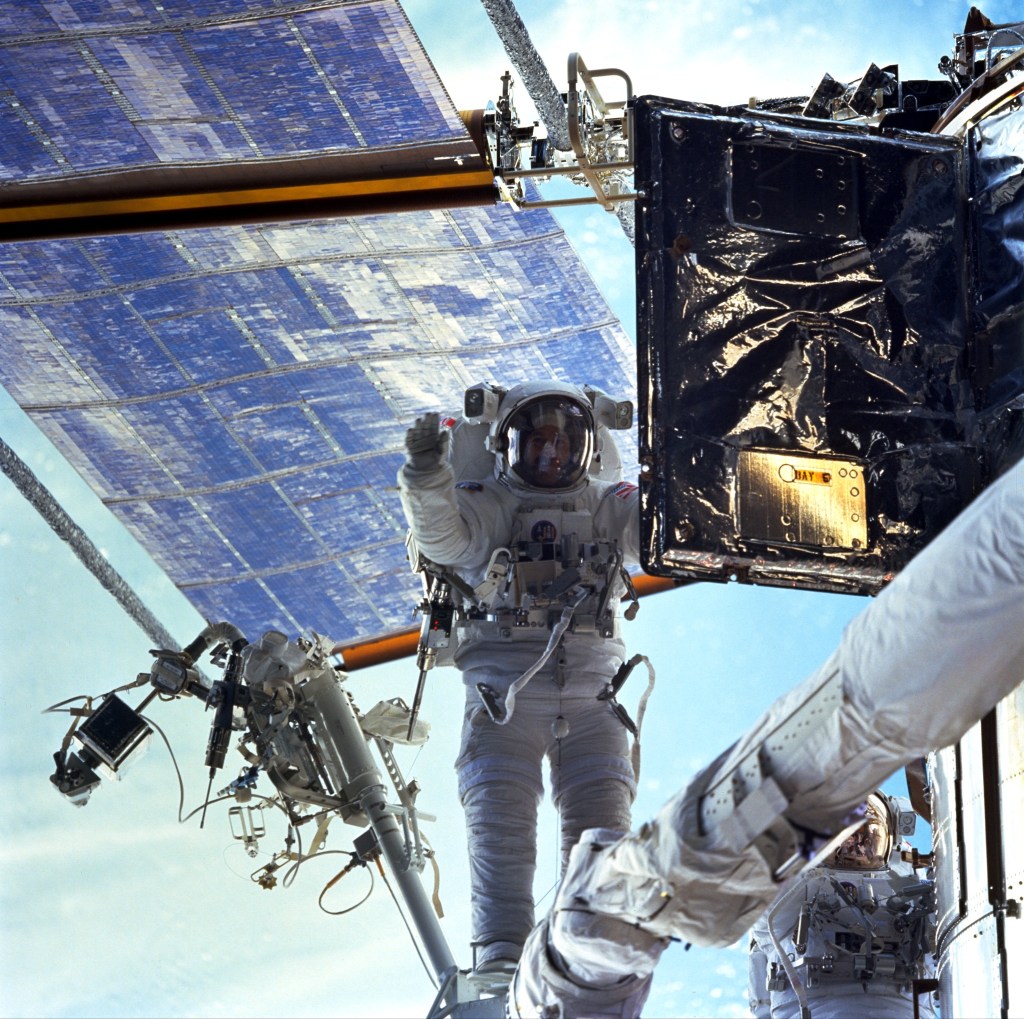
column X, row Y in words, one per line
column 90, row 85
column 238, row 396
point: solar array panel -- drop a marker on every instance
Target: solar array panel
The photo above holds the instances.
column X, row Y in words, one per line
column 114, row 84
column 238, row 395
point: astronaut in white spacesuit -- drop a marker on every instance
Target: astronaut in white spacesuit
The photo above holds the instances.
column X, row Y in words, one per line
column 542, row 544
column 937, row 649
column 850, row 936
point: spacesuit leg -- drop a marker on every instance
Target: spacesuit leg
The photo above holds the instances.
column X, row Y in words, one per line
column 500, row 786
column 593, row 785
column 501, row 834
column 935, row 651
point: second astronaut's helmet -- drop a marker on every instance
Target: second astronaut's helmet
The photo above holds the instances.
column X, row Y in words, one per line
column 869, row 847
column 544, row 437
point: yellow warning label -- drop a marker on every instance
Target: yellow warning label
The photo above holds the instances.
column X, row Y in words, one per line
column 812, row 477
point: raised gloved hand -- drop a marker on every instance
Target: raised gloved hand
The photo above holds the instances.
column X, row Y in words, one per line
column 426, row 444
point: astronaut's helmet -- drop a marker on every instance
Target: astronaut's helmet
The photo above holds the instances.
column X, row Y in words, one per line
column 544, row 437
column 869, row 847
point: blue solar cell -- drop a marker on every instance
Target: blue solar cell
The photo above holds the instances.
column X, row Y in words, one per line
column 180, row 539
column 187, row 438
column 188, row 82
column 385, row 562
column 282, row 438
column 89, row 14
column 353, row 291
column 343, row 515
column 232, row 247
column 504, row 365
column 192, row 291
column 25, row 19
column 327, row 238
column 321, row 598
column 291, row 313
column 21, row 155
column 275, row 306
column 537, row 279
column 75, row 121
column 133, row 259
column 251, row 607
column 380, row 471
column 194, row 10
column 110, row 345
column 487, row 231
column 295, row 112
column 237, row 398
column 348, row 405
column 322, row 481
column 41, row 373
column 371, row 54
column 102, row 446
column 207, row 345
column 48, row 268
column 156, row 74
column 597, row 353
column 395, row 593
column 434, row 231
column 261, row 528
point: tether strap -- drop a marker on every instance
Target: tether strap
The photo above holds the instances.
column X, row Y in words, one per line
column 501, row 711
column 609, row 694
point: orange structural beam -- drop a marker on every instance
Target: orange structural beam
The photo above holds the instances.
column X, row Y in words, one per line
column 451, row 173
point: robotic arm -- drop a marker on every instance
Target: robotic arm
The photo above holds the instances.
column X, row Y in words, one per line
column 298, row 726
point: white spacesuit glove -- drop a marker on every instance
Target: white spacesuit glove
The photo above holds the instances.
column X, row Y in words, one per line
column 426, row 444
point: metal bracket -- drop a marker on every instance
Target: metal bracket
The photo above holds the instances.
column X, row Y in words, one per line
column 601, row 138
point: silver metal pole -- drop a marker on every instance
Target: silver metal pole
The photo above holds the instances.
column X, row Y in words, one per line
column 336, row 720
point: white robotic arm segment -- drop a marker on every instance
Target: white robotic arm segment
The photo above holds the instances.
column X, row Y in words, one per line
column 544, row 991
column 708, row 864
column 622, row 901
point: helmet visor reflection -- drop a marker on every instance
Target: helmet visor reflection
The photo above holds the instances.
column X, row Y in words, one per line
column 867, row 848
column 550, row 442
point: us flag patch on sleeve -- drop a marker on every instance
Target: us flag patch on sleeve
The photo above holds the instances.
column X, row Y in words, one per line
column 623, row 490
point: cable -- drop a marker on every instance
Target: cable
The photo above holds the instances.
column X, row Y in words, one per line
column 62, row 753
column 174, row 762
column 181, row 784
column 139, row 680
column 352, row 864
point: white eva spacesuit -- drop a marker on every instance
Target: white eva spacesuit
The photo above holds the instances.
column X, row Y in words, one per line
column 542, row 544
column 849, row 937
column 938, row 648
